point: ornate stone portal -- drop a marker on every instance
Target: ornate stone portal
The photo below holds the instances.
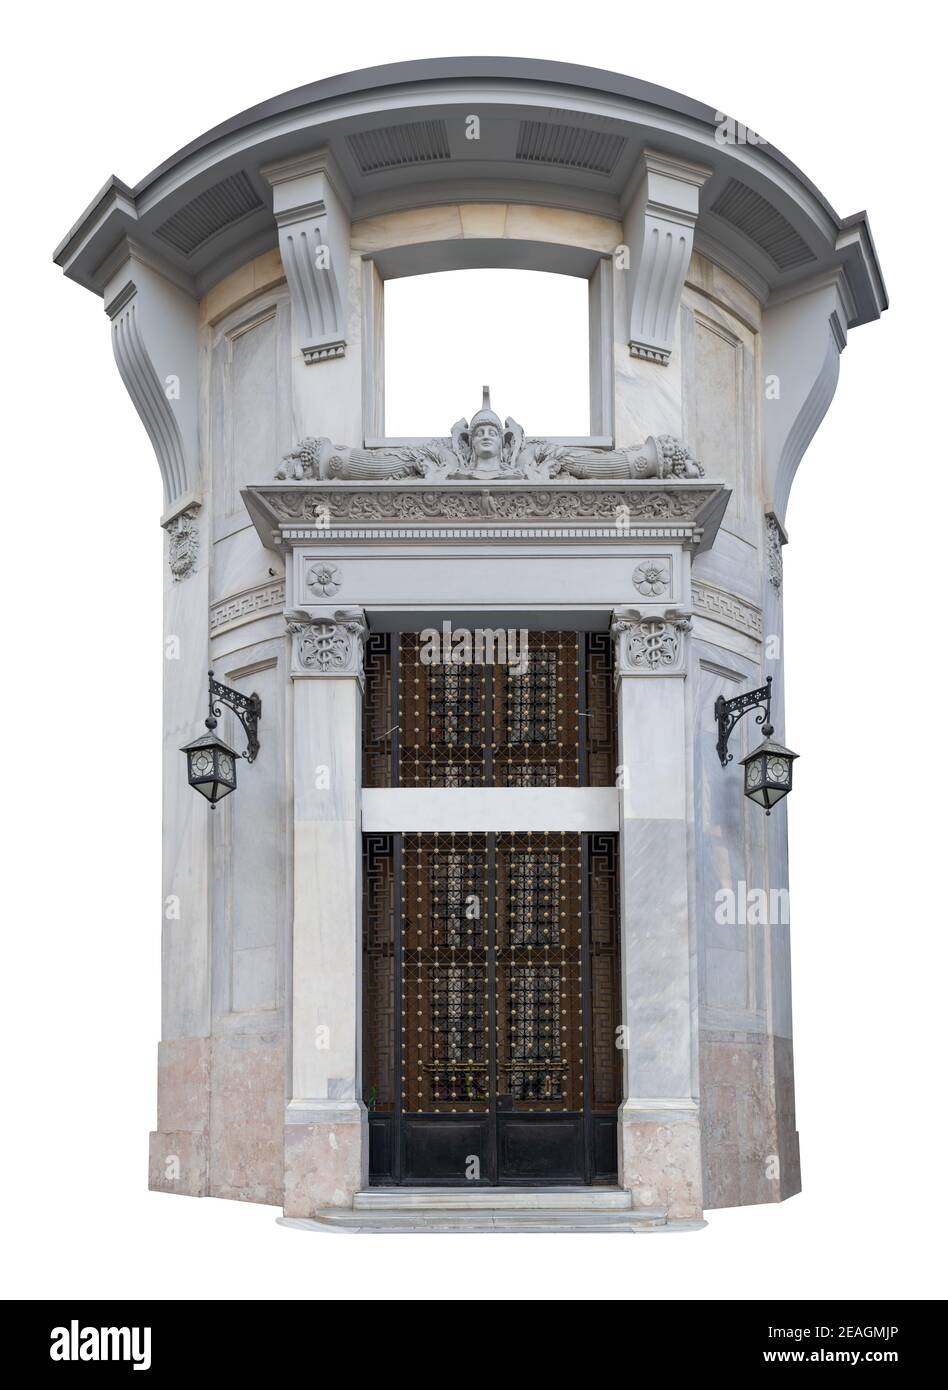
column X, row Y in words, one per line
column 244, row 283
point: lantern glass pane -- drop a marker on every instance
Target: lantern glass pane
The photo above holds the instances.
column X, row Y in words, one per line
column 201, row 763
column 778, row 770
column 753, row 775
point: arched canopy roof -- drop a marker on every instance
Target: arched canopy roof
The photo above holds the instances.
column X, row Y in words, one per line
column 550, row 133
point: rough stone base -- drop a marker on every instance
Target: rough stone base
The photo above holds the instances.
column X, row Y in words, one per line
column 660, row 1160
column 248, row 1098
column 326, row 1151
column 177, row 1162
column 178, row 1150
column 749, row 1143
column 220, row 1118
column 788, row 1140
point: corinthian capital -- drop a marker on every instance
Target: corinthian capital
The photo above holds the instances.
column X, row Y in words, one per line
column 330, row 644
column 649, row 644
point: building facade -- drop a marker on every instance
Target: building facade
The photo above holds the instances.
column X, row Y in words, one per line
column 485, row 925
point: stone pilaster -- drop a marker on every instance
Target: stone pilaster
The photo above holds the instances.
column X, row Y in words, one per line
column 659, row 1135
column 326, row 1134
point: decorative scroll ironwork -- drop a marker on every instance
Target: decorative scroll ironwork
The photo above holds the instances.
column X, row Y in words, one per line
column 728, row 713
column 247, row 708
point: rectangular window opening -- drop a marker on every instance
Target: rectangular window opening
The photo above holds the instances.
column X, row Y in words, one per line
column 533, row 337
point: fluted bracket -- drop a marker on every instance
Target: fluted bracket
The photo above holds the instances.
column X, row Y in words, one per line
column 803, row 334
column 154, row 340
column 659, row 231
column 310, row 204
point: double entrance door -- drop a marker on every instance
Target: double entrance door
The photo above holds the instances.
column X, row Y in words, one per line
column 491, row 988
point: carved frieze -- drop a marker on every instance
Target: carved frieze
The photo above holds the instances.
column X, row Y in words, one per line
column 649, row 644
column 247, row 605
column 330, row 645
column 729, row 609
column 450, row 504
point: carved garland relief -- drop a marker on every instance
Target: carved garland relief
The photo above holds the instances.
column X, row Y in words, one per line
column 485, row 450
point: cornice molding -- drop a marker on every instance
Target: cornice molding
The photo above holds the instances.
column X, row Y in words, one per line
column 287, row 514
column 511, row 90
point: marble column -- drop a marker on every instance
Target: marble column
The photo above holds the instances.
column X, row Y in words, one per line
column 659, row 1134
column 326, row 1134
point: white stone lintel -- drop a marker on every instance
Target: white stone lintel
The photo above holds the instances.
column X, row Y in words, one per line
column 480, row 809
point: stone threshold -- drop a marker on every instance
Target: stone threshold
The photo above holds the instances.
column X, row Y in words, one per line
column 481, row 1198
column 508, row 1210
column 343, row 1220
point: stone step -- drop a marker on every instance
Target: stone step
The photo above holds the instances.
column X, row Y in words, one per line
column 507, row 1220
column 493, row 1198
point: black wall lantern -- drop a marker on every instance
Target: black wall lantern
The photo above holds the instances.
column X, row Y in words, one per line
column 212, row 764
column 768, row 770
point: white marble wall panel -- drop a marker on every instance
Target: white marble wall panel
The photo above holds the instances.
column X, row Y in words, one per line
column 251, row 848
column 185, row 931
column 250, row 409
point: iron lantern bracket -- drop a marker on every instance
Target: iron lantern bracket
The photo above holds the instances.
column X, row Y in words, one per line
column 248, row 709
column 730, row 712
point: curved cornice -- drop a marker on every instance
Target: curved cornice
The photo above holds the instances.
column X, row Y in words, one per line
column 504, row 92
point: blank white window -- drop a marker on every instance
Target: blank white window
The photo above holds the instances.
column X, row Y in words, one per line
column 524, row 333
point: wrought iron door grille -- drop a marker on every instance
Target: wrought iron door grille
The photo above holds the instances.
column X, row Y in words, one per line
column 533, row 899
column 536, row 715
column 539, row 981
column 445, row 975
column 531, row 700
column 545, row 722
column 491, row 989
column 441, row 719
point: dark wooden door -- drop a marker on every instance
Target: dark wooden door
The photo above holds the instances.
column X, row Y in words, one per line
column 491, row 1006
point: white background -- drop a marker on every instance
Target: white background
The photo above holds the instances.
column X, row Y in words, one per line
column 93, row 89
